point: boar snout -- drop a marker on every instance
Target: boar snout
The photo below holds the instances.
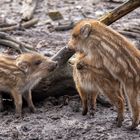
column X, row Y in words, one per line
column 52, row 65
column 70, row 45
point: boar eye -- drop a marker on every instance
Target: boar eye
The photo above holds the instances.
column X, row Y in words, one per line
column 74, row 36
column 38, row 62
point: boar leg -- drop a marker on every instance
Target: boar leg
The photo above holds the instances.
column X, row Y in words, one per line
column 83, row 96
column 117, row 99
column 134, row 102
column 1, row 103
column 92, row 104
column 18, row 102
column 28, row 97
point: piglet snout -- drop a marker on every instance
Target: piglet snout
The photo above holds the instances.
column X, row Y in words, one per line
column 52, row 65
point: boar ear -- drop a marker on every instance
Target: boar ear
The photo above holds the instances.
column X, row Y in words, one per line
column 85, row 30
column 23, row 65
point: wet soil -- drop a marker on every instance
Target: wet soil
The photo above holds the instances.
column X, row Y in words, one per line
column 52, row 120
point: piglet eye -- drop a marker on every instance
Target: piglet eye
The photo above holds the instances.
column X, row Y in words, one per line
column 38, row 62
column 74, row 36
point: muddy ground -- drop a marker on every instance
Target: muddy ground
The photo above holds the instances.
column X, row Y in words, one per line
column 53, row 120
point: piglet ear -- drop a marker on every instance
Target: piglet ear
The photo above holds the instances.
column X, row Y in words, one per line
column 85, row 30
column 24, row 66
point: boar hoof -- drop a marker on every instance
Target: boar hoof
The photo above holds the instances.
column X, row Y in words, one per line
column 119, row 123
column 92, row 112
column 1, row 108
column 32, row 109
column 133, row 127
column 84, row 112
column 18, row 115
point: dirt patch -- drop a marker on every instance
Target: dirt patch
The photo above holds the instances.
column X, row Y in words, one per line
column 53, row 121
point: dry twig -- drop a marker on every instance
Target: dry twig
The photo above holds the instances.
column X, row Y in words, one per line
column 14, row 43
column 27, row 24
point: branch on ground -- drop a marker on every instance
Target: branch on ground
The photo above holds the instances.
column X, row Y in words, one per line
column 12, row 42
column 23, row 25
